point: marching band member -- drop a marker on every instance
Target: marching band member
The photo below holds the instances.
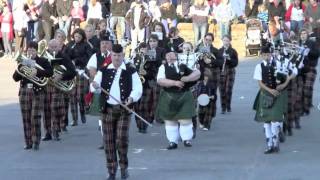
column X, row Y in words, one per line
column 123, row 83
column 157, row 55
column 97, row 61
column 271, row 102
column 228, row 73
column 31, row 96
column 57, row 105
column 309, row 70
column 79, row 51
column 210, row 62
column 206, row 113
column 176, row 103
column 147, row 70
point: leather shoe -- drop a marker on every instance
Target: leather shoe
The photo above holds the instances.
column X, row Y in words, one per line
column 124, row 174
column 111, row 177
column 56, row 137
column 74, row 123
column 64, row 129
column 83, row 119
column 269, row 150
column 187, row 144
column 27, row 147
column 47, row 137
column 143, row 131
column 172, row 145
column 36, row 147
column 282, row 137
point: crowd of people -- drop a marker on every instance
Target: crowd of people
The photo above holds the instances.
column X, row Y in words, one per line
column 72, row 54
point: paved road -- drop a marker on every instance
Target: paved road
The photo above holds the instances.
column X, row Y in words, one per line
column 232, row 150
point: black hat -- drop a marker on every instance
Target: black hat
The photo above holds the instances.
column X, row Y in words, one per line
column 105, row 37
column 117, row 48
column 266, row 48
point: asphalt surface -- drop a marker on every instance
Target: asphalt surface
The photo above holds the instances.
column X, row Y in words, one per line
column 231, row 150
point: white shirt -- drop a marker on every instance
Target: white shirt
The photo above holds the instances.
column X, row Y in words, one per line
column 136, row 91
column 92, row 63
column 94, row 12
column 285, row 67
column 297, row 14
column 190, row 60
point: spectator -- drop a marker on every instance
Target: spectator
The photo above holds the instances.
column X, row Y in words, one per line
column 159, row 30
column 92, row 39
column 263, row 16
column 199, row 12
column 295, row 14
column 64, row 15
column 276, row 12
column 224, row 15
column 238, row 7
column 32, row 8
column 48, row 18
column 312, row 15
column 6, row 20
column 183, row 8
column 94, row 13
column 119, row 8
column 168, row 15
column 77, row 15
column 251, row 9
column 20, row 26
column 138, row 18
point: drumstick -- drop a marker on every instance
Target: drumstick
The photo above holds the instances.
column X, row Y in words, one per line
column 83, row 74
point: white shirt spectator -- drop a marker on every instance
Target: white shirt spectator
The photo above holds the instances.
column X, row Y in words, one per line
column 94, row 12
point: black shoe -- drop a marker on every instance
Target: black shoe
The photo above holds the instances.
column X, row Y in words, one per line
column 56, row 137
column 101, row 147
column 124, row 174
column 297, row 125
column 269, row 150
column 143, row 131
column 47, row 137
column 223, row 112
column 229, row 109
column 290, row 132
column 64, row 129
column 282, row 138
column 111, row 177
column 83, row 118
column 306, row 113
column 172, row 145
column 187, row 144
column 27, row 147
column 276, row 149
column 36, row 147
column 74, row 123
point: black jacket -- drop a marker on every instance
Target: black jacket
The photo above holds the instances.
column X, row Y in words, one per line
column 63, row 59
column 79, row 53
column 233, row 62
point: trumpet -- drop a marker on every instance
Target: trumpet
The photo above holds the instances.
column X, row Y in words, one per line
column 42, row 47
column 26, row 71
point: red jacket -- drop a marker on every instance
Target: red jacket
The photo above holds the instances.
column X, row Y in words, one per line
column 288, row 13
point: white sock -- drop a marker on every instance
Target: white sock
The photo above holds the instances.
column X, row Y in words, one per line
column 186, row 132
column 268, row 133
column 101, row 129
column 172, row 133
column 275, row 129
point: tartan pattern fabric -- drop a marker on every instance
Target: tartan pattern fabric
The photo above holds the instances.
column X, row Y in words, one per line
column 31, row 109
column 57, row 110
column 298, row 107
column 155, row 99
column 77, row 96
column 115, row 123
column 292, row 91
column 66, row 107
column 226, row 86
column 310, row 78
column 144, row 107
column 47, row 108
column 206, row 113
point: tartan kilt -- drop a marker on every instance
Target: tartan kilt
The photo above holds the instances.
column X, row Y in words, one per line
column 310, row 78
column 292, row 91
column 215, row 80
column 173, row 106
column 144, row 106
column 206, row 113
column 274, row 113
column 298, row 107
column 82, row 86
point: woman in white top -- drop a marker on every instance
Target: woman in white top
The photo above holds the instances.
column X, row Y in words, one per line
column 94, row 13
column 199, row 12
column 20, row 25
column 295, row 14
column 224, row 15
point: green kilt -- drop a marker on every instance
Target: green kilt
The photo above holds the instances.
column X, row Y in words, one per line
column 275, row 112
column 175, row 105
column 94, row 108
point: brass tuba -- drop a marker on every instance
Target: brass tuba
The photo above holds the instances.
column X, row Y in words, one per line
column 142, row 71
column 25, row 71
column 65, row 86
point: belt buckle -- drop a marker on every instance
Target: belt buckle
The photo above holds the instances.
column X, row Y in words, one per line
column 29, row 85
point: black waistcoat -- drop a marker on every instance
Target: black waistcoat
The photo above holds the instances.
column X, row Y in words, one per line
column 268, row 75
column 125, row 83
column 172, row 74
